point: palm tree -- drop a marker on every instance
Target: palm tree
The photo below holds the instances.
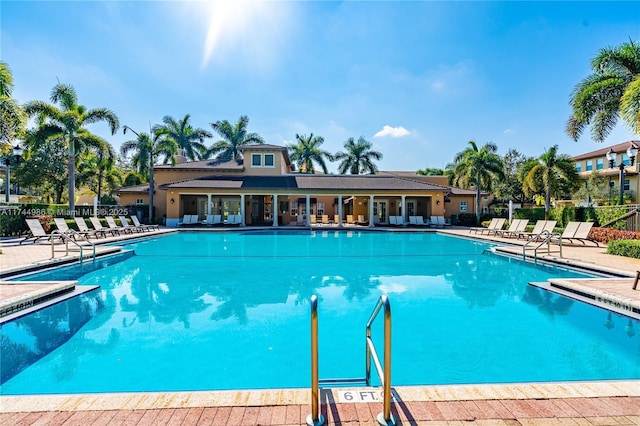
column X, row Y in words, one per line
column 12, row 117
column 98, row 170
column 307, row 151
column 551, row 174
column 190, row 140
column 478, row 167
column 147, row 148
column 358, row 157
column 232, row 138
column 68, row 122
column 612, row 89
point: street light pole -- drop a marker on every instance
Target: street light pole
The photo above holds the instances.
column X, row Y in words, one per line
column 632, row 152
column 151, row 164
column 17, row 152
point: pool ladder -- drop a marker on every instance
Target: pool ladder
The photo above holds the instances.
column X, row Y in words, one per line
column 385, row 417
column 72, row 236
column 544, row 238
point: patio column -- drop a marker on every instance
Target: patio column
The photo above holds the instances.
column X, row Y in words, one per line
column 275, row 210
column 208, row 204
column 307, row 210
column 242, row 210
column 371, row 223
column 340, row 210
column 403, row 207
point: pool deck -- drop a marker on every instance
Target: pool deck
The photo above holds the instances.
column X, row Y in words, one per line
column 562, row 403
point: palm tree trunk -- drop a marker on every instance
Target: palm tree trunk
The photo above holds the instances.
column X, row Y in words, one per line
column 478, row 202
column 547, row 203
column 72, row 183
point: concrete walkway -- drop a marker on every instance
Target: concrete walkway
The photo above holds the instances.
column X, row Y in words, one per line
column 577, row 403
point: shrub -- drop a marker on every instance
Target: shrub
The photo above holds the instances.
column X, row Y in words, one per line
column 606, row 235
column 627, row 248
column 533, row 214
column 467, row 219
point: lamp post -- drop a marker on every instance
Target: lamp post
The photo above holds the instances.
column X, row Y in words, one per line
column 632, row 152
column 17, row 152
column 151, row 163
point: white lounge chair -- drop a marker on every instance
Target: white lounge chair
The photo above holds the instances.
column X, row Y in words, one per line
column 400, row 220
column 136, row 222
column 62, row 226
column 393, row 220
column 82, row 226
column 325, row 219
column 125, row 225
column 37, row 231
column 97, row 225
column 575, row 231
column 516, row 226
column 420, row 221
column 114, row 227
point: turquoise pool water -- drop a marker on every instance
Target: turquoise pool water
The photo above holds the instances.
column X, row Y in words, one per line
column 196, row 311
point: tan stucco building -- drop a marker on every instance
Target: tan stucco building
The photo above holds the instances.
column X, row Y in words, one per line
column 262, row 186
column 622, row 155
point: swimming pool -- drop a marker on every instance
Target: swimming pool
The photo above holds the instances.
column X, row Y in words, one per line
column 196, row 311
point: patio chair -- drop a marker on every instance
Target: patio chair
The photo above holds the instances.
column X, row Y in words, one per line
column 111, row 222
column 540, row 230
column 575, row 231
column 62, row 226
column 400, row 220
column 82, row 226
column 495, row 224
column 361, row 220
column 443, row 222
column 516, row 226
column 97, row 225
column 189, row 219
column 325, row 219
column 393, row 220
column 420, row 221
column 125, row 224
column 136, row 222
column 37, row 231
column 350, row 220
column 498, row 227
column 336, row 219
column 313, row 219
column 300, row 220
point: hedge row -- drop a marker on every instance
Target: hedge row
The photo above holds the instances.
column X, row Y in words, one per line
column 627, row 248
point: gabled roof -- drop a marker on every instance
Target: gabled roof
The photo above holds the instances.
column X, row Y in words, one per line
column 267, row 147
column 134, row 189
column 338, row 183
column 618, row 149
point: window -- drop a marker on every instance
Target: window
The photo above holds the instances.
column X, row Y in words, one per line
column 463, row 206
column 626, row 185
column 600, row 163
column 589, row 165
column 485, row 210
column 139, row 201
column 486, row 198
column 256, row 160
column 268, row 160
column 320, row 208
column 294, row 208
column 578, row 167
column 625, row 159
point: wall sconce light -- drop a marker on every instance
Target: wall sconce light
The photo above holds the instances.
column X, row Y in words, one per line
column 438, row 202
column 173, row 201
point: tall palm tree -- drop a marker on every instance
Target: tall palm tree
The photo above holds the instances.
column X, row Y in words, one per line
column 479, row 167
column 233, row 136
column 358, row 157
column 612, row 90
column 12, row 116
column 99, row 171
column 307, row 151
column 551, row 174
column 147, row 149
column 189, row 139
column 68, row 122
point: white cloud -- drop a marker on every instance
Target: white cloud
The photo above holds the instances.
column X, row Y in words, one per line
column 394, row 132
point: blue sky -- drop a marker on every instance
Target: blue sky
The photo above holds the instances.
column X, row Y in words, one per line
column 418, row 79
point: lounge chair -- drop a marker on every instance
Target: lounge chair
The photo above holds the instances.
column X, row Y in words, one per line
column 114, row 227
column 441, row 221
column 300, row 220
column 350, row 220
column 400, row 220
column 314, row 219
column 62, row 226
column 575, row 231
column 393, row 220
column 136, row 222
column 37, row 231
column 325, row 219
column 125, row 224
column 420, row 221
column 413, row 220
column 82, row 226
column 496, row 224
column 189, row 219
column 97, row 225
column 498, row 227
column 541, row 228
column 361, row 220
column 516, row 226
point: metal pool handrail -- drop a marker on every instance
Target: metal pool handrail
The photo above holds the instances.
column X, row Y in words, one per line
column 67, row 238
column 384, row 418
